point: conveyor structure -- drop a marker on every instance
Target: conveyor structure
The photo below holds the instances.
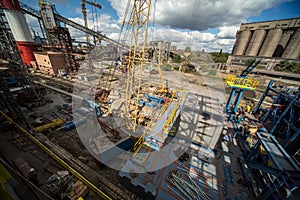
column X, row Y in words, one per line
column 36, row 14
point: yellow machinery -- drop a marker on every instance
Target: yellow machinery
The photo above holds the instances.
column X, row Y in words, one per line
column 45, row 127
column 241, row 82
column 250, row 138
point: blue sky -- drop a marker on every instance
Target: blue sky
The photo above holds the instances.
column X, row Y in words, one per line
column 281, row 11
column 214, row 28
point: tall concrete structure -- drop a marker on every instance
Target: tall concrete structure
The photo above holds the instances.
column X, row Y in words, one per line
column 271, row 41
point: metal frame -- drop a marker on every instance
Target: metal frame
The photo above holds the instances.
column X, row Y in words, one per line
column 284, row 172
column 283, row 122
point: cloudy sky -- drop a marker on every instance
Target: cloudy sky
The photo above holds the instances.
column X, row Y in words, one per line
column 202, row 24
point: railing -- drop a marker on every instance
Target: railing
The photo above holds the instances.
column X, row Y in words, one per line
column 241, row 82
column 139, row 147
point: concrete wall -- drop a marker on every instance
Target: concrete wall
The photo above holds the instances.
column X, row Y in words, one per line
column 267, row 63
column 283, row 24
column 271, row 42
column 242, row 40
column 292, row 50
column 256, row 42
column 271, row 39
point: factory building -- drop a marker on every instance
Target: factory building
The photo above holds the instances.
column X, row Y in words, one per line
column 271, row 41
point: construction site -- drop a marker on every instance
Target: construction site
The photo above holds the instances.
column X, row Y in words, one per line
column 119, row 120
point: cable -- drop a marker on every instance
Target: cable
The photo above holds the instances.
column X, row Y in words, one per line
column 97, row 22
column 153, row 24
column 196, row 6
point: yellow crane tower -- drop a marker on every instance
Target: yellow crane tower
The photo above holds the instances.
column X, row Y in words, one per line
column 137, row 24
column 83, row 8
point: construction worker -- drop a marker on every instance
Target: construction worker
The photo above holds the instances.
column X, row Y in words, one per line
column 248, row 108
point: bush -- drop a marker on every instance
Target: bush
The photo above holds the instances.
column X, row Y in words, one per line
column 176, row 58
column 286, row 66
column 219, row 57
column 260, row 67
column 248, row 62
column 165, row 67
column 176, row 68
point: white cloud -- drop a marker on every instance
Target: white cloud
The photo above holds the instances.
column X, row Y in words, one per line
column 228, row 32
column 202, row 14
column 174, row 19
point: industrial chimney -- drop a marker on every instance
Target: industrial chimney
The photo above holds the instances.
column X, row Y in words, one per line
column 20, row 30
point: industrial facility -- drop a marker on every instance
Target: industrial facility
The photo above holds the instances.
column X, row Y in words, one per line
column 270, row 41
column 138, row 119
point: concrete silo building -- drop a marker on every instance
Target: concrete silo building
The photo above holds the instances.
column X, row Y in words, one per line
column 270, row 41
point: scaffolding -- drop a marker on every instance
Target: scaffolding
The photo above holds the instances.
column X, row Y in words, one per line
column 8, row 47
column 14, row 77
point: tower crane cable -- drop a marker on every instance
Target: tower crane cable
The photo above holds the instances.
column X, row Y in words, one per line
column 97, row 21
column 196, row 6
column 107, row 83
column 93, row 21
column 124, row 20
column 153, row 24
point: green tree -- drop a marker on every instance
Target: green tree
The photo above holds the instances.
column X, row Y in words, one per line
column 219, row 57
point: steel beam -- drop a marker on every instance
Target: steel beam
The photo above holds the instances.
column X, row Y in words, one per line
column 228, row 105
column 263, row 96
column 262, row 167
column 284, row 113
column 236, row 103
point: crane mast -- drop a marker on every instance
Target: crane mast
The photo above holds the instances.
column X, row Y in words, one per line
column 138, row 25
column 83, row 10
